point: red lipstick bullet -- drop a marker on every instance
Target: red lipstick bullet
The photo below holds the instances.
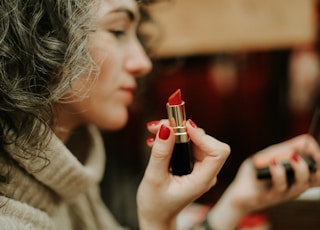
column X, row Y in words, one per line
column 181, row 160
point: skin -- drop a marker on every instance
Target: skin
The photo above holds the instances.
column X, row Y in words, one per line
column 114, row 46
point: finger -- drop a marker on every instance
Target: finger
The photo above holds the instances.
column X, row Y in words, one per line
column 150, row 141
column 303, row 144
column 205, row 143
column 278, row 176
column 312, row 148
column 153, row 126
column 158, row 166
column 301, row 175
column 209, row 153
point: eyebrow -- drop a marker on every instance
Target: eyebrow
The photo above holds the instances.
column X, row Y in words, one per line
column 127, row 11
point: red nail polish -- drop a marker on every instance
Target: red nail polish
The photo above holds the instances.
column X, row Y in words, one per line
column 192, row 123
column 150, row 140
column 151, row 123
column 295, row 157
column 164, row 132
column 273, row 162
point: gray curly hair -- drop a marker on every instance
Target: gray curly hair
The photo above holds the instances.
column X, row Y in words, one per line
column 43, row 50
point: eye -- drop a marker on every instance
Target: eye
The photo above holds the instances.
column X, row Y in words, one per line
column 118, row 33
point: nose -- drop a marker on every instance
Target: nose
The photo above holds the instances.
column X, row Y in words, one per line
column 137, row 62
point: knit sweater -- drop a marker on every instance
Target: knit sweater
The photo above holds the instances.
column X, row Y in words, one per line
column 57, row 190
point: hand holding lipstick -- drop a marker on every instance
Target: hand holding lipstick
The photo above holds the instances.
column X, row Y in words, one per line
column 162, row 195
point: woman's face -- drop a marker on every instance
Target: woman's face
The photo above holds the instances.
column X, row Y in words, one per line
column 114, row 46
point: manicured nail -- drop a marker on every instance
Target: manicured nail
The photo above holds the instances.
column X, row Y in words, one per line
column 150, row 140
column 151, row 123
column 164, row 132
column 273, row 162
column 192, row 123
column 295, row 157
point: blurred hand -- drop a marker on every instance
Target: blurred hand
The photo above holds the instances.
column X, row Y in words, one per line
column 246, row 193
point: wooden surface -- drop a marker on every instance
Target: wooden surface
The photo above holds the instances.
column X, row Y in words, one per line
column 189, row 27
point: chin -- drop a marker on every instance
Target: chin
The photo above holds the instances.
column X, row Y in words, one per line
column 118, row 126
column 114, row 123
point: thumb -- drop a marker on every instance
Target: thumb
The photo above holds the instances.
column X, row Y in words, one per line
column 158, row 166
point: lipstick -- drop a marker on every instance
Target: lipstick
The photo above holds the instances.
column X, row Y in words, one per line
column 181, row 160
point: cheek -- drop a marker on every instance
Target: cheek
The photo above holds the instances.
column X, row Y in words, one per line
column 107, row 114
column 108, row 65
column 105, row 108
column 105, row 82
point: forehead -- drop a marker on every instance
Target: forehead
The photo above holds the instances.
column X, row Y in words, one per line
column 107, row 6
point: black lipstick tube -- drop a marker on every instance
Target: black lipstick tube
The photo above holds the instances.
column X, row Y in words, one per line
column 181, row 160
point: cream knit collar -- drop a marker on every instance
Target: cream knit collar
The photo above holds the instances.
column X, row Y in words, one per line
column 64, row 173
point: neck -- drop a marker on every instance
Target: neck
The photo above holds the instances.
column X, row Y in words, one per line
column 65, row 123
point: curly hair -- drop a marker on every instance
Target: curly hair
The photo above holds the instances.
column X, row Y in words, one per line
column 43, row 50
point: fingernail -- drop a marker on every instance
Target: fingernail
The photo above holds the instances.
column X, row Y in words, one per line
column 164, row 132
column 150, row 140
column 151, row 123
column 273, row 162
column 192, row 123
column 295, row 157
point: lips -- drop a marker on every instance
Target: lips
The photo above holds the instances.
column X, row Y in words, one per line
column 128, row 93
column 129, row 88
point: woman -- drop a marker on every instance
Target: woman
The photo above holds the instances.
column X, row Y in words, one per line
column 68, row 67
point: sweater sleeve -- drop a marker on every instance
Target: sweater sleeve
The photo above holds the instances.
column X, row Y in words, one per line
column 9, row 223
column 18, row 215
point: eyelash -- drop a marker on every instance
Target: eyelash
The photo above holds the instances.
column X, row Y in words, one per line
column 117, row 33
